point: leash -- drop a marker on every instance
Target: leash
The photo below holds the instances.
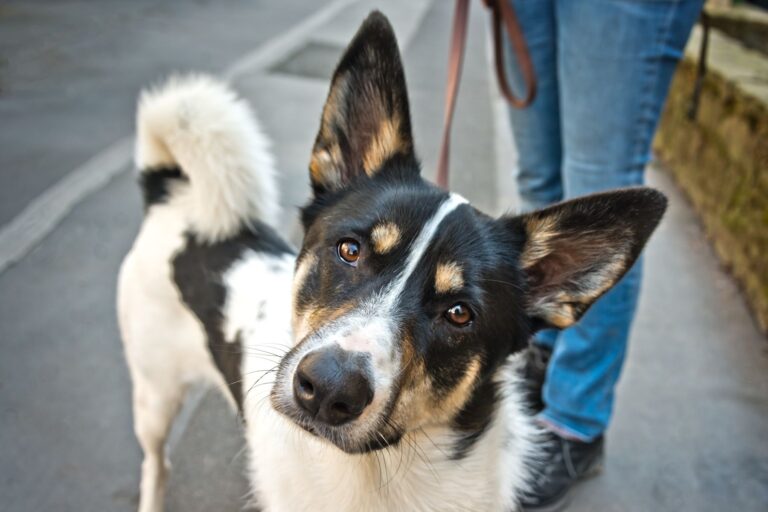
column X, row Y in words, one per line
column 502, row 13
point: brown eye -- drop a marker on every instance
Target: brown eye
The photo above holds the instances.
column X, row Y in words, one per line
column 349, row 251
column 459, row 314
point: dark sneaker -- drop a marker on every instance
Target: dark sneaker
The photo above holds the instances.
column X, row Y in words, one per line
column 562, row 463
column 534, row 374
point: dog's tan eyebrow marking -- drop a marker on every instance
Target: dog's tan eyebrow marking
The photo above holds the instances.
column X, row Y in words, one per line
column 449, row 277
column 385, row 237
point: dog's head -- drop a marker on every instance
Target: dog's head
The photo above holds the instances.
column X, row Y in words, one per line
column 407, row 299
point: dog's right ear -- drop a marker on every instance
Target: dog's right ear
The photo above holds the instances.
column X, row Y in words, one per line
column 366, row 120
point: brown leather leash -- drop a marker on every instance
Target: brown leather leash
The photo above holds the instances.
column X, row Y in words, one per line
column 502, row 12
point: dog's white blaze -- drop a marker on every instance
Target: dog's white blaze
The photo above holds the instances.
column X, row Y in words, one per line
column 418, row 248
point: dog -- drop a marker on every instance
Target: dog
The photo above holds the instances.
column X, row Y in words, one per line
column 375, row 369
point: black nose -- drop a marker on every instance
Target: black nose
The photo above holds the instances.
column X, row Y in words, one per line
column 332, row 385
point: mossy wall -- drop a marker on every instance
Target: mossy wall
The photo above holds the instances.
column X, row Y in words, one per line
column 720, row 160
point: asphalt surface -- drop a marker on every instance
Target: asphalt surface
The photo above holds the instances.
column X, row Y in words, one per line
column 692, row 410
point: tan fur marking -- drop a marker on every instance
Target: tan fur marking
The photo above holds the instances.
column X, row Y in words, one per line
column 385, row 237
column 324, row 167
column 449, row 277
column 559, row 310
column 384, row 144
column 411, row 366
column 418, row 406
column 321, row 316
column 311, row 319
column 411, row 408
column 562, row 316
column 300, row 320
column 540, row 232
column 461, row 393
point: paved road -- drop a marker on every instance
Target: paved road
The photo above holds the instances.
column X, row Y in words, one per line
column 692, row 414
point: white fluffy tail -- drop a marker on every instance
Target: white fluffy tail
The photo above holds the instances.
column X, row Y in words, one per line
column 199, row 124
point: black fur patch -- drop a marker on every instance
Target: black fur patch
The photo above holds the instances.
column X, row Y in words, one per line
column 155, row 184
column 198, row 271
column 474, row 419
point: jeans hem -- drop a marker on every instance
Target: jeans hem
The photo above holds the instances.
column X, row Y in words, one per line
column 559, row 428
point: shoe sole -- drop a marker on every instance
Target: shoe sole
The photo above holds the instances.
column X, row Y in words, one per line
column 595, row 469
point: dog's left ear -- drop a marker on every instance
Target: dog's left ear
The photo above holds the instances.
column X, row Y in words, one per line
column 366, row 120
column 574, row 252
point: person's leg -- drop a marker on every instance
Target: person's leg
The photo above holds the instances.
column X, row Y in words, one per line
column 536, row 129
column 616, row 59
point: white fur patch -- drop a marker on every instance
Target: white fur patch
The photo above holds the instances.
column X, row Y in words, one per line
column 258, row 300
column 199, row 124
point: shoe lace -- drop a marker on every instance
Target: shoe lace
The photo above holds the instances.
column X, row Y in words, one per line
column 559, row 457
column 569, row 466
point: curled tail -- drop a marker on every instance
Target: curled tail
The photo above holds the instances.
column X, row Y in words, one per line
column 195, row 127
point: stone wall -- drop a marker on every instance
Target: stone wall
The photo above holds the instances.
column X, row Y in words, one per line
column 720, row 159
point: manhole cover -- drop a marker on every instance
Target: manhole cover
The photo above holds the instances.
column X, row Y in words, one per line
column 313, row 60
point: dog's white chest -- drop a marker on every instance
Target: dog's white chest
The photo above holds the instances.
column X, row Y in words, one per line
column 294, row 471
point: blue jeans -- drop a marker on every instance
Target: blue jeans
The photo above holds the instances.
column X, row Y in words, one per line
column 603, row 70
